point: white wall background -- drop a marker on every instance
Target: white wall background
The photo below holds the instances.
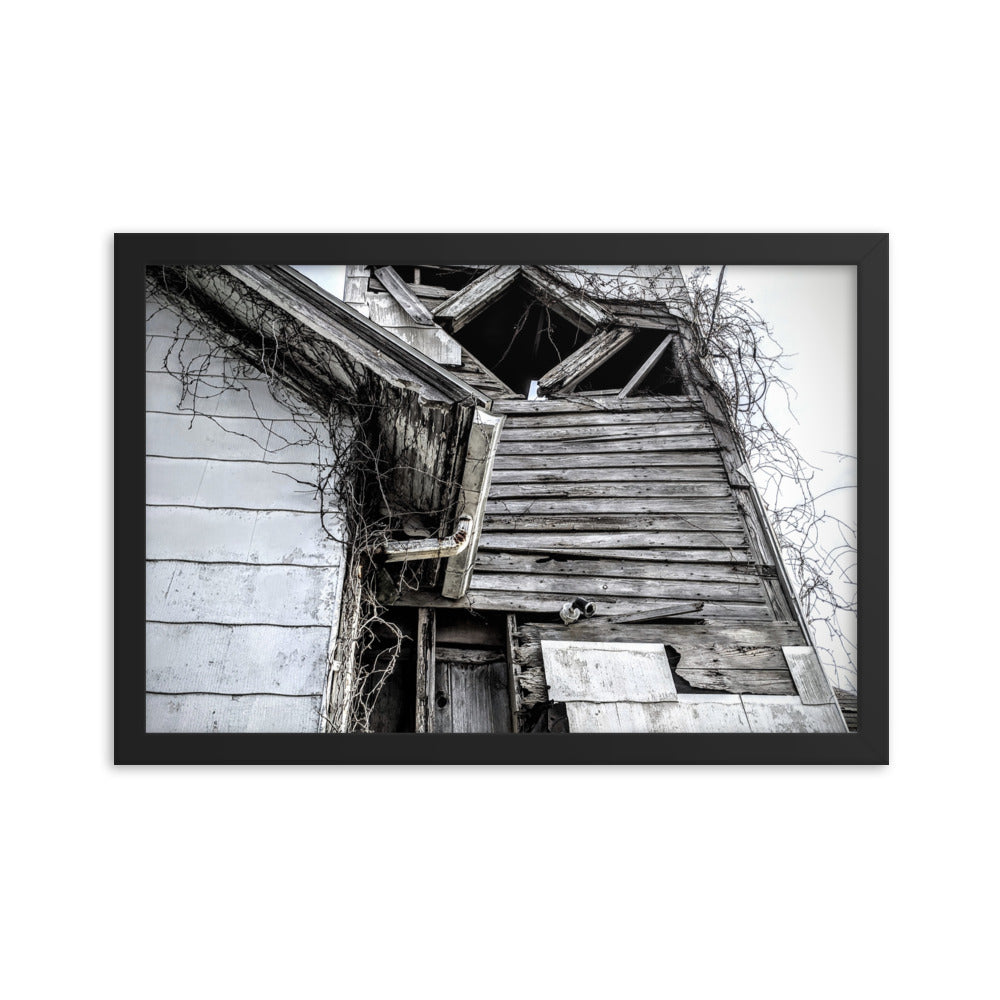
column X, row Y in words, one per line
column 709, row 882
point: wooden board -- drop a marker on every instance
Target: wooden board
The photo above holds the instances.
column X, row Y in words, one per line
column 589, row 430
column 810, row 680
column 215, row 713
column 689, row 714
column 722, row 508
column 610, row 477
column 586, row 445
column 605, row 460
column 773, row 714
column 598, row 587
column 662, row 530
column 236, row 659
column 607, row 671
column 587, row 359
column 476, row 696
column 679, row 413
column 728, row 546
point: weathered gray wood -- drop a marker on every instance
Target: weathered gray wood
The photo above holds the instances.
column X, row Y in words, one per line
column 239, row 595
column 467, row 656
column 426, row 670
column 675, row 610
column 401, row 292
column 811, row 681
column 518, row 601
column 513, row 691
column 602, row 566
column 647, row 366
column 777, row 714
column 689, row 714
column 734, row 658
column 597, row 459
column 214, row 713
column 598, row 587
column 365, row 342
column 236, row 659
column 205, row 535
column 484, row 437
column 607, row 671
column 587, row 446
column 594, row 353
column 466, row 305
column 731, row 544
column 582, row 403
column 476, row 697
column 718, row 511
column 590, row 429
column 574, row 305
column 698, row 530
column 623, row 419
column 639, row 555
column 631, row 477
column 602, row 492
column 430, row 339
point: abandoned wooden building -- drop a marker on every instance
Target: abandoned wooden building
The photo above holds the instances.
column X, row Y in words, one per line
column 466, row 498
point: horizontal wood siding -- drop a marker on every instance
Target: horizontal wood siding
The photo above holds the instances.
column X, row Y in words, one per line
column 242, row 580
column 626, row 506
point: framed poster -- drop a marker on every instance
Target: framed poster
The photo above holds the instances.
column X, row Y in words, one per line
column 501, row 512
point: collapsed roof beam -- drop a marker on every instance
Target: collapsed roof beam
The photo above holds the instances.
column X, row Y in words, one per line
column 572, row 370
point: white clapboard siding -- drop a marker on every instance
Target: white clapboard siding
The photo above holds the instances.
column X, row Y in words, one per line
column 607, row 671
column 168, row 393
column 220, row 713
column 199, row 482
column 691, row 713
column 238, row 594
column 198, row 534
column 236, row 659
column 784, row 714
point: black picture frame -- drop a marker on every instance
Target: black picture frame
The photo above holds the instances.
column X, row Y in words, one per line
column 869, row 253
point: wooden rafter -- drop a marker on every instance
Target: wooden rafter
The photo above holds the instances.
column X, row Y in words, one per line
column 574, row 369
column 571, row 304
column 647, row 366
column 405, row 298
column 466, row 305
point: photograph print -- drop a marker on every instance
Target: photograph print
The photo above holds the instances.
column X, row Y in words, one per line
column 474, row 498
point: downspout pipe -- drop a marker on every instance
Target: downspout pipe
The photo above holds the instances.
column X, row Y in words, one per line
column 431, row 548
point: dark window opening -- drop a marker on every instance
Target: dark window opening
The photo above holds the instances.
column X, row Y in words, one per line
column 664, row 379
column 519, row 340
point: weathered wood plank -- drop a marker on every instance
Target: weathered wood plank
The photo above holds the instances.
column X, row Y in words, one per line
column 689, row 714
column 573, row 304
column 677, row 414
column 591, row 429
column 236, row 659
column 677, row 609
column 633, row 476
column 732, row 544
column 601, row 566
column 567, row 452
column 215, row 713
column 430, row 340
column 513, row 690
column 723, row 528
column 581, row 363
column 230, row 594
column 637, row 555
column 404, row 297
column 777, row 714
column 583, row 403
column 478, row 699
column 607, row 671
column 811, row 681
column 204, row 535
column 722, row 508
column 601, row 492
column 466, row 305
column 518, row 601
column 596, row 459
column 647, row 366
column 426, row 670
column 597, row 587
column 484, row 437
